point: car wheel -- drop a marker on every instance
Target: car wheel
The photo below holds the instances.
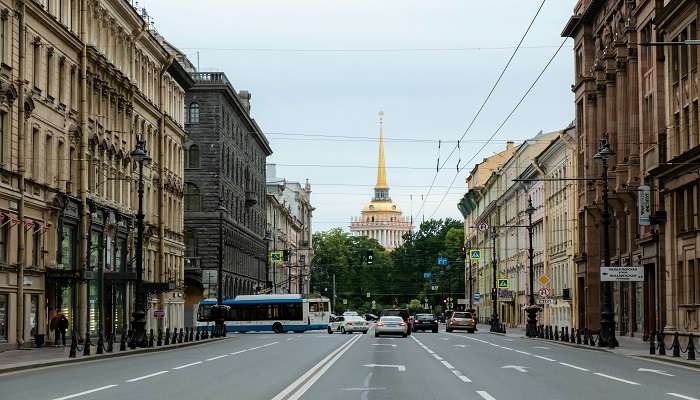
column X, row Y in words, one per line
column 376, row 334
column 364, row 332
column 448, row 329
column 471, row 331
column 277, row 327
column 435, row 330
column 330, row 331
column 342, row 330
column 405, row 335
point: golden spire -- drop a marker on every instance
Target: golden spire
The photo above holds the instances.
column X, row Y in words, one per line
column 381, row 168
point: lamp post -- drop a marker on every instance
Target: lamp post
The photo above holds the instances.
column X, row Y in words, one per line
column 607, row 314
column 495, row 323
column 139, row 155
column 531, row 329
column 220, row 310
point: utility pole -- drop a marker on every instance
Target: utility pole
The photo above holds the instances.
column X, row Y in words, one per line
column 495, row 323
column 471, row 294
column 531, row 328
column 333, row 292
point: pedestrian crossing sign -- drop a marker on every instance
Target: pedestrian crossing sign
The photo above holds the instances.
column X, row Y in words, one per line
column 275, row 257
column 503, row 284
column 475, row 254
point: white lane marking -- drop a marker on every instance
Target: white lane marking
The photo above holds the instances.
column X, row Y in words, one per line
column 269, row 344
column 523, row 352
column 146, row 376
column 508, row 340
column 445, row 363
column 573, row 366
column 311, row 373
column 518, row 368
column 238, row 352
column 682, row 396
column 437, row 357
column 460, row 345
column 401, row 368
column 448, row 365
column 444, row 338
column 544, row 358
column 655, row 371
column 616, row 378
column 188, row 365
column 461, row 376
column 485, row 395
column 362, row 389
column 383, row 344
column 542, row 347
column 71, row 396
column 289, row 339
column 506, row 348
column 217, row 357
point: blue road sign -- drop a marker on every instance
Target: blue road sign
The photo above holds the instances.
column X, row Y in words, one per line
column 477, row 296
column 427, row 275
column 442, row 261
column 475, row 254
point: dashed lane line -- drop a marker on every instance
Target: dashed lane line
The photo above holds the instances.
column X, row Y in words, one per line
column 140, row 378
column 485, row 395
column 187, row 365
column 437, row 357
column 217, row 357
column 544, row 358
column 682, row 396
column 448, row 365
column 573, row 366
column 616, row 378
column 72, row 396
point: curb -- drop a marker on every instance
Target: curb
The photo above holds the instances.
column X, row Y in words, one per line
column 98, row 357
column 670, row 360
column 574, row 345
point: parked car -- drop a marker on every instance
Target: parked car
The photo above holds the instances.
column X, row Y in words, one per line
column 461, row 320
column 398, row 312
column 348, row 324
column 391, row 325
column 425, row 322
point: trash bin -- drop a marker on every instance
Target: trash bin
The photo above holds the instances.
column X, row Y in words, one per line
column 39, row 340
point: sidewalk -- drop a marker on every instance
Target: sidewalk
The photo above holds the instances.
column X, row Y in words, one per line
column 20, row 359
column 629, row 347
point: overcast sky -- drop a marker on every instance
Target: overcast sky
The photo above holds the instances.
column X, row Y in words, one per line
column 327, row 67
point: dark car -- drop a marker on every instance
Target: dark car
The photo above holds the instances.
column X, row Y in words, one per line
column 425, row 322
column 398, row 312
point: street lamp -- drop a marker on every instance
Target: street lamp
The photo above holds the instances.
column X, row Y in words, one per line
column 140, row 156
column 220, row 311
column 607, row 314
column 531, row 329
column 495, row 323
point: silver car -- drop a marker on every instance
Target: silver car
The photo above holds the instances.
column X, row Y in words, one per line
column 391, row 326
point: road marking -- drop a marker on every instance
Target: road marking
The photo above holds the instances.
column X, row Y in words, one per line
column 362, row 389
column 616, row 378
column 485, row 395
column 437, row 357
column 289, row 339
column 448, row 365
column 508, row 340
column 523, row 352
column 401, row 368
column 573, row 366
column 238, row 352
column 460, row 345
column 383, row 344
column 302, row 384
column 655, row 371
column 542, row 347
column 444, row 338
column 146, row 376
column 71, row 396
column 506, row 348
column 461, row 376
column 217, row 357
column 682, row 396
column 188, row 365
column 544, row 358
column 518, row 368
column 269, row 344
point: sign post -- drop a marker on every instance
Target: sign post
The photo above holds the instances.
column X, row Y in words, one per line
column 644, row 205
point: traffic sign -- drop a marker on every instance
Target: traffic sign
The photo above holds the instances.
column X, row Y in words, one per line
column 442, row 261
column 374, row 303
column 483, row 226
column 275, row 257
column 368, row 295
column 427, row 275
column 622, row 274
column 475, row 254
column 546, row 301
column 477, row 296
column 345, row 301
column 503, row 284
column 434, row 287
column 545, row 292
column 543, row 280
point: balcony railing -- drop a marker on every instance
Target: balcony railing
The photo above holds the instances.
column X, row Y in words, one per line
column 210, row 77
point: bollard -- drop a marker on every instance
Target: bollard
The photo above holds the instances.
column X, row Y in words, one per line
column 73, row 346
column 167, row 336
column 110, row 343
column 86, row 348
column 196, row 336
column 174, row 339
column 676, row 345
column 691, row 347
column 652, row 345
column 556, row 333
column 182, row 334
column 192, row 334
column 151, row 339
column 566, row 334
column 561, row 334
column 585, row 336
column 122, row 341
column 661, row 343
column 578, row 336
column 187, row 335
column 159, row 341
column 205, row 334
column 592, row 339
column 100, row 344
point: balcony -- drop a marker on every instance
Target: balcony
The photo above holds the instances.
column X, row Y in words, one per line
column 217, row 78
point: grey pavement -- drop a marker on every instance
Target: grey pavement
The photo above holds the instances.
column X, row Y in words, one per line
column 316, row 365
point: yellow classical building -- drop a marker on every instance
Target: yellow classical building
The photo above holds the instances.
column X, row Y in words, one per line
column 381, row 218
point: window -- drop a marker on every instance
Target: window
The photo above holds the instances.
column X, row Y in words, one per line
column 193, row 157
column 49, row 74
column 194, row 113
column 37, row 61
column 36, row 246
column 68, row 242
column 48, row 161
column 4, row 242
column 4, row 317
column 192, row 199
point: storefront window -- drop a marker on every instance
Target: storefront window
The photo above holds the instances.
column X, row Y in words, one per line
column 209, row 282
column 3, row 317
column 118, row 323
column 34, row 314
column 92, row 302
column 96, row 246
column 109, row 262
column 67, row 248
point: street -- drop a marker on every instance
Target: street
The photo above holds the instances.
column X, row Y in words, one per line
column 316, row 365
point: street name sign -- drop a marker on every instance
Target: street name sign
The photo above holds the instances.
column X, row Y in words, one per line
column 442, row 261
column 158, row 313
column 462, row 301
column 542, row 300
column 622, row 274
column 427, row 275
column 475, row 254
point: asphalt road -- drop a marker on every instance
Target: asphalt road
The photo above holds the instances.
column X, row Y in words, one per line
column 316, row 365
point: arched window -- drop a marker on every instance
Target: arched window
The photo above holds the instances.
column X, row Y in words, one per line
column 192, row 199
column 193, row 157
column 194, row 113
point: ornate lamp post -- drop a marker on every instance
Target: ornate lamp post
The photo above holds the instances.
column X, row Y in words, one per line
column 140, row 156
column 495, row 323
column 219, row 312
column 607, row 314
column 531, row 329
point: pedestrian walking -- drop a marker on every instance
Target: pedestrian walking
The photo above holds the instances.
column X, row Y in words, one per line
column 62, row 328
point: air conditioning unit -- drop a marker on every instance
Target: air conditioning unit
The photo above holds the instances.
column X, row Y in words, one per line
column 566, row 294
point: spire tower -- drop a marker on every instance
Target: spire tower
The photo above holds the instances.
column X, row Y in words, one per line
column 381, row 188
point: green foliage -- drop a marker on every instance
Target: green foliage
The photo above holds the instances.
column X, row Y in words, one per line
column 415, row 305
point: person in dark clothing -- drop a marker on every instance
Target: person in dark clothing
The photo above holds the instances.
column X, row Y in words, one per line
column 62, row 328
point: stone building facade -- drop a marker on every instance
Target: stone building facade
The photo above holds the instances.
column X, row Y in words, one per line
column 289, row 214
column 225, row 155
column 80, row 81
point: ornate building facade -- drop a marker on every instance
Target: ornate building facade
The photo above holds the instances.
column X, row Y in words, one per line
column 80, row 82
column 381, row 219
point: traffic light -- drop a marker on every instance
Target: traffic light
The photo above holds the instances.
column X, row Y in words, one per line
column 285, row 255
column 444, row 301
column 370, row 257
column 463, row 253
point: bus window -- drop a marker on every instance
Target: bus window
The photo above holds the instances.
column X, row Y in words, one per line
column 204, row 312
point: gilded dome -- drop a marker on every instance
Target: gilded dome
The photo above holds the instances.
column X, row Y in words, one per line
column 377, row 206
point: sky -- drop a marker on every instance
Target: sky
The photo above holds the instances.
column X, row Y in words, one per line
column 321, row 70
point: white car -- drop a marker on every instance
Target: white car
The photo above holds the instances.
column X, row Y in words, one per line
column 350, row 314
column 389, row 325
column 348, row 324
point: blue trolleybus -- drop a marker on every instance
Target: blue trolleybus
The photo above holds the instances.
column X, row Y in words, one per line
column 270, row 312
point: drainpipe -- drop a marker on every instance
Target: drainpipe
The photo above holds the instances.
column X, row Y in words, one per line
column 82, row 316
column 21, row 125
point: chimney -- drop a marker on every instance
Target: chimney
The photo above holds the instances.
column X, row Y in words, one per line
column 509, row 145
column 271, row 171
column 244, row 97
